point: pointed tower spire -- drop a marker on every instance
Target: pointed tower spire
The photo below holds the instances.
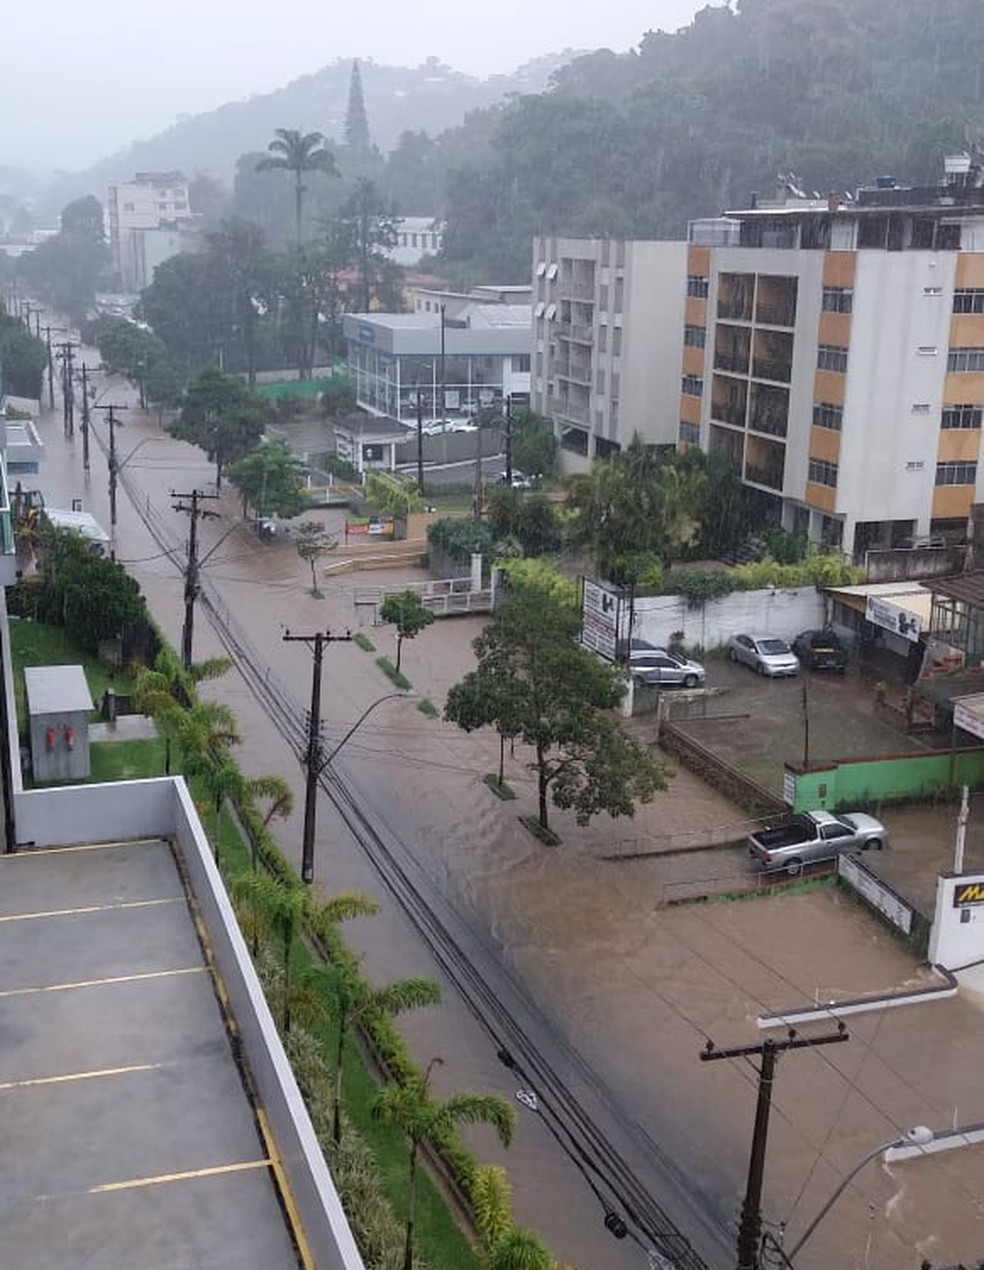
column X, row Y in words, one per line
column 356, row 119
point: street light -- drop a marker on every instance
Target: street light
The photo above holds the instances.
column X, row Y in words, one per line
column 918, row 1136
column 389, row 696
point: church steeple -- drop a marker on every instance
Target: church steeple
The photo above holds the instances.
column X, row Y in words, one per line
column 356, row 120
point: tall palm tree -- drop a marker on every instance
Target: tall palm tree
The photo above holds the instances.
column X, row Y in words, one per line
column 353, row 1000
column 276, row 906
column 410, row 1106
column 294, row 151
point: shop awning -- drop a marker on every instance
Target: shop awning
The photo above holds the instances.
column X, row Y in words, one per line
column 900, row 607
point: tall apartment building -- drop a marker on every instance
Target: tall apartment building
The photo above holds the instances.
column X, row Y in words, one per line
column 150, row 220
column 607, row 317
column 832, row 348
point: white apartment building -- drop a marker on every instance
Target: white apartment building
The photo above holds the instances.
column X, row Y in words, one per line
column 832, row 348
column 607, row 317
column 150, row 220
column 416, row 237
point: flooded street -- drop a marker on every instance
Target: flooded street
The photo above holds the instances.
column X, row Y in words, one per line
column 617, row 992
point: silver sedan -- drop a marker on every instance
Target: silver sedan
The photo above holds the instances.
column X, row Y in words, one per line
column 766, row 654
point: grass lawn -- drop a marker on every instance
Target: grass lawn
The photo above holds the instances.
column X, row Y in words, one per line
column 126, row 760
column 37, row 644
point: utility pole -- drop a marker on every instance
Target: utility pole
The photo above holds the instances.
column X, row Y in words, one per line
column 750, row 1228
column 51, row 370
column 66, row 353
column 85, row 418
column 312, row 757
column 113, row 467
column 509, row 439
column 191, row 572
column 442, row 390
column 420, row 440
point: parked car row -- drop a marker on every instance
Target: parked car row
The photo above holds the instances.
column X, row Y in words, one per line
column 765, row 654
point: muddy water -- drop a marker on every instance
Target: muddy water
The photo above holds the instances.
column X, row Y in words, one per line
column 635, row 988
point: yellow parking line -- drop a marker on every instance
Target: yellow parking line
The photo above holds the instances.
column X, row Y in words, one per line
column 99, row 983
column 286, row 1194
column 90, row 908
column 68, row 1077
column 189, row 1175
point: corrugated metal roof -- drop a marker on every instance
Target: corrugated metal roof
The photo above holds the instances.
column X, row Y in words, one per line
column 968, row 587
column 911, row 596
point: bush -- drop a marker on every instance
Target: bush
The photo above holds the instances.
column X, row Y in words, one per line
column 459, row 538
column 697, row 586
column 532, row 572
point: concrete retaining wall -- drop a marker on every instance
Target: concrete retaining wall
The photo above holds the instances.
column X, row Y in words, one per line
column 773, row 611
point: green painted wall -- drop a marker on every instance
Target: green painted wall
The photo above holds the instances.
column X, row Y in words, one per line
column 856, row 782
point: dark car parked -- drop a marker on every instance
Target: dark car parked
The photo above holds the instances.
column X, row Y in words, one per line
column 820, row 650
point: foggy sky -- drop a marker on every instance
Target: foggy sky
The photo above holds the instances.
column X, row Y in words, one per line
column 82, row 79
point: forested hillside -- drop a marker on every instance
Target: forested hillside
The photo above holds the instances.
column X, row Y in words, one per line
column 835, row 91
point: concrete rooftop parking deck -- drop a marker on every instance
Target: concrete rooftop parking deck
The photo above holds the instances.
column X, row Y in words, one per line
column 128, row 1139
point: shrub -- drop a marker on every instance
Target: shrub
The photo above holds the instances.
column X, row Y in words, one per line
column 697, row 586
column 459, row 538
column 543, row 575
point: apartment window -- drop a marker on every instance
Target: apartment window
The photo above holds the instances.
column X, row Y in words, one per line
column 823, row 473
column 695, row 336
column 956, row 474
column 162, row 207
column 927, row 350
column 616, row 341
column 692, row 386
column 603, row 297
column 619, row 294
column 965, row 417
column 521, row 364
column 180, row 207
column 600, row 382
column 689, row 433
column 932, row 291
column 826, row 415
column 838, row 299
column 128, row 207
column 602, row 339
column 968, row 300
column 965, row 359
column 833, row 357
column 616, row 385
column 697, row 286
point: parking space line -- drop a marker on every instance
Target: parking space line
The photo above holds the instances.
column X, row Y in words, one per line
column 90, row 908
column 68, row 1077
column 29, row 852
column 99, row 983
column 189, row 1175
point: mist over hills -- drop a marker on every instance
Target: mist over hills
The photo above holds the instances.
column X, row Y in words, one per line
column 430, row 98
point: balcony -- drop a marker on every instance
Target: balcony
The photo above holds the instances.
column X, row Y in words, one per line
column 565, row 409
column 578, row 373
column 769, row 475
column 574, row 332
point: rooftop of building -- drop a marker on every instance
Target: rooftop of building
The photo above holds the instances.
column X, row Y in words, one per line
column 967, row 587
column 129, row 1139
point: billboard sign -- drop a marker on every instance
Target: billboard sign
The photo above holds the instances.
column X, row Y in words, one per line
column 600, row 618
column 892, row 618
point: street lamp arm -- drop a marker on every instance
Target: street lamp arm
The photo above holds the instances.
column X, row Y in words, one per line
column 920, row 1135
column 390, row 696
column 215, row 546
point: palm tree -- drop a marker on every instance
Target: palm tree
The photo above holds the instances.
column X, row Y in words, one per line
column 353, row 1000
column 275, row 906
column 294, row 151
column 410, row 1106
column 520, row 1250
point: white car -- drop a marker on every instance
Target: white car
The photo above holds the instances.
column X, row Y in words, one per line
column 766, row 654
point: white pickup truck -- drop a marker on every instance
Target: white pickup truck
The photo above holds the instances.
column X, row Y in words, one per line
column 815, row 835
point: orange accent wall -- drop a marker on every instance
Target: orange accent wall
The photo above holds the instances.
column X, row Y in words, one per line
column 967, row 330
column 838, row 268
column 699, row 260
column 821, row 496
column 695, row 311
column 964, row 389
column 693, row 360
column 970, row 269
column 835, row 328
column 690, row 409
column 825, row 444
column 950, row 501
column 828, row 385
column 958, row 444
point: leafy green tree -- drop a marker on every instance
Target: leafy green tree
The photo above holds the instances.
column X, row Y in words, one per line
column 277, row 905
column 299, row 153
column 93, row 597
column 314, row 541
column 534, row 679
column 534, row 444
column 413, row 1109
column 405, row 610
column 222, row 416
column 66, row 269
column 128, row 349
column 271, row 480
column 372, row 225
column 23, row 359
column 353, row 1001
column 84, row 218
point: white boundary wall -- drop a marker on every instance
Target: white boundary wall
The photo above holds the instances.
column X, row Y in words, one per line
column 774, row 611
